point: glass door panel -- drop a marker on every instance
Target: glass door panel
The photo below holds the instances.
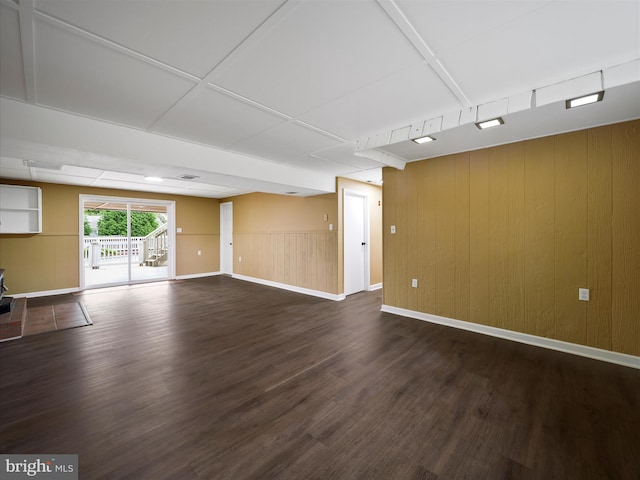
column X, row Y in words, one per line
column 125, row 242
column 149, row 242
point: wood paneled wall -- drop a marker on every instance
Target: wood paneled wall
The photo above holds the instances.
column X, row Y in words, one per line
column 506, row 236
column 302, row 259
column 287, row 239
column 50, row 260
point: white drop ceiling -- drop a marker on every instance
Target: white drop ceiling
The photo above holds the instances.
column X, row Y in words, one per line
column 284, row 96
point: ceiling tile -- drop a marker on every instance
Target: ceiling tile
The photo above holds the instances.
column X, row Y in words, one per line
column 12, row 72
column 213, row 118
column 78, row 75
column 550, row 45
column 190, row 35
column 444, row 24
column 338, row 47
column 285, row 143
column 413, row 93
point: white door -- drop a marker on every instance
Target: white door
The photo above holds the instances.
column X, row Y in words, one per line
column 226, row 238
column 356, row 242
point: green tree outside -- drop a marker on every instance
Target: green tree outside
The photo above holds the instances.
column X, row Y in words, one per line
column 114, row 222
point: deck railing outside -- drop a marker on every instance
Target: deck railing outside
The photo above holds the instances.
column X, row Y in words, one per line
column 113, row 249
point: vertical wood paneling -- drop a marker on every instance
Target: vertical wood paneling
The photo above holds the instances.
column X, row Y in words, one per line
column 514, row 241
column 599, row 253
column 444, row 207
column 626, row 238
column 498, row 234
column 302, row 259
column 426, row 231
column 539, row 220
column 539, row 244
column 479, row 263
column 461, row 236
column 406, row 235
column 571, row 236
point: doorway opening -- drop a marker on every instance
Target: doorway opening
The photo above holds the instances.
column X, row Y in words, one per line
column 125, row 241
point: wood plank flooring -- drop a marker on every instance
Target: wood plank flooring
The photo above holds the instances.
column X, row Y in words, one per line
column 215, row 378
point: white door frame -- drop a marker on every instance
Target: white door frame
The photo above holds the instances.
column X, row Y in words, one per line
column 226, row 235
column 367, row 238
column 171, row 230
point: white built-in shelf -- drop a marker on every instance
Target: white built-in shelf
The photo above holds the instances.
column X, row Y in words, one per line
column 20, row 209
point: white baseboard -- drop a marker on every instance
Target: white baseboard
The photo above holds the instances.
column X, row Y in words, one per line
column 291, row 288
column 375, row 286
column 197, row 275
column 582, row 350
column 45, row 293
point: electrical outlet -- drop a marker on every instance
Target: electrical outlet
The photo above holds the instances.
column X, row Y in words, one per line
column 583, row 294
column 239, row 259
column 393, row 229
column 414, row 282
column 199, row 252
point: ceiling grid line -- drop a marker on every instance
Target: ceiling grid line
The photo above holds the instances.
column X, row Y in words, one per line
column 281, row 12
column 114, row 46
column 404, row 25
column 27, row 37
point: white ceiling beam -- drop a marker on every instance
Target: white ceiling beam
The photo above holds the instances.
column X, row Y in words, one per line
column 42, row 134
column 28, row 48
column 383, row 158
column 405, row 26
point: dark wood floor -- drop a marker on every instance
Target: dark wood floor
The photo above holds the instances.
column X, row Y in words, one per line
column 216, row 378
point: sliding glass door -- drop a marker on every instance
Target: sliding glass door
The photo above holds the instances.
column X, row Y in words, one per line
column 125, row 241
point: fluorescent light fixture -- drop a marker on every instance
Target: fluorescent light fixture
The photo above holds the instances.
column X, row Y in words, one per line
column 154, row 179
column 425, row 139
column 494, row 122
column 585, row 100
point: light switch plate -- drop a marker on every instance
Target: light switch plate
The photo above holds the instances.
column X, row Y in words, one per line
column 583, row 294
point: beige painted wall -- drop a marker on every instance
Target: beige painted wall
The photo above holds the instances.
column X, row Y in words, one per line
column 374, row 193
column 505, row 236
column 287, row 239
column 50, row 260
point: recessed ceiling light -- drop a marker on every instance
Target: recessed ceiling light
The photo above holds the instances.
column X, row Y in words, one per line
column 425, row 139
column 494, row 122
column 154, row 179
column 585, row 100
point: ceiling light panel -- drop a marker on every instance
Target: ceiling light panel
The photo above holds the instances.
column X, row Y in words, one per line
column 425, row 139
column 585, row 100
column 494, row 122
